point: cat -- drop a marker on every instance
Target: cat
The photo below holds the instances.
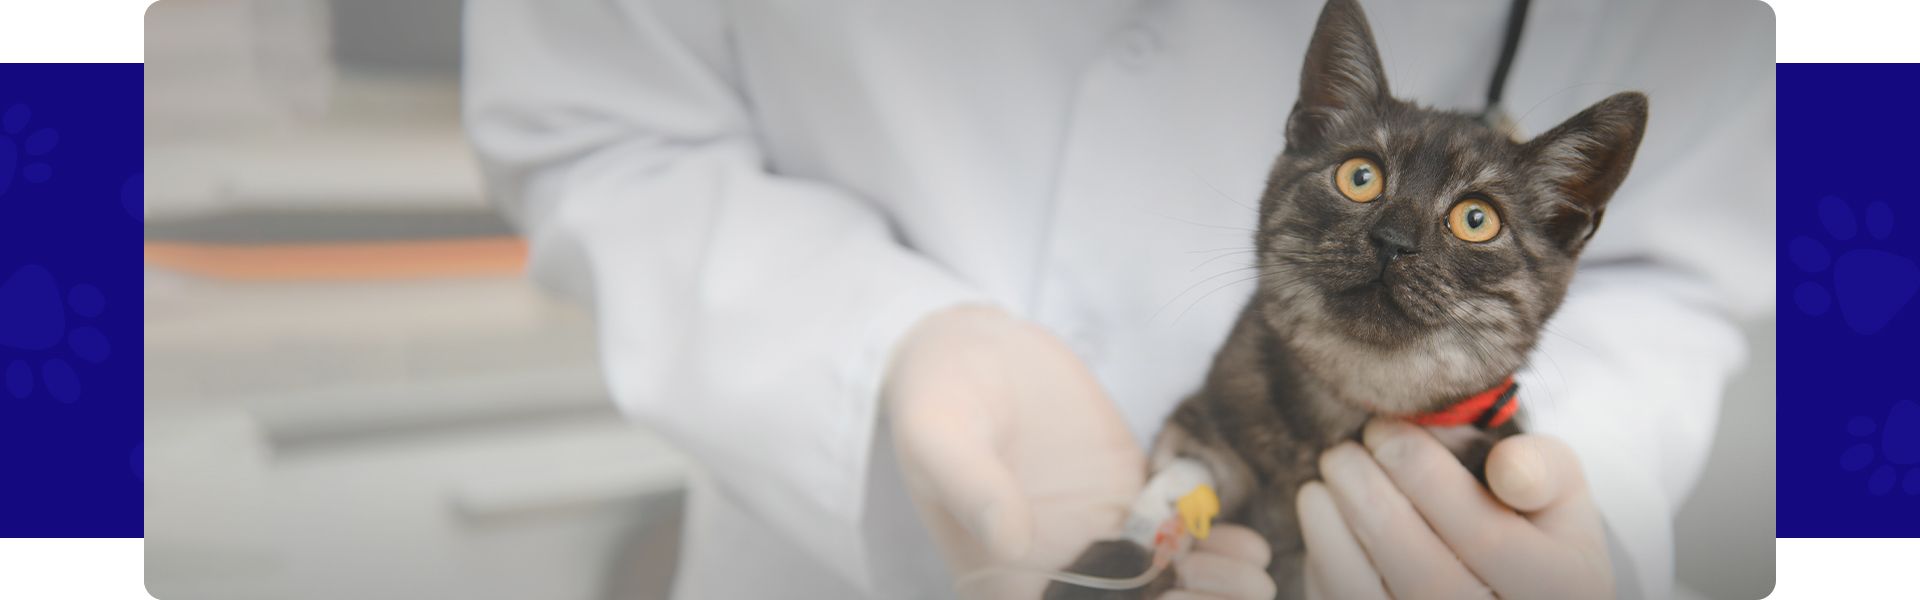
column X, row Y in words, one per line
column 1409, row 258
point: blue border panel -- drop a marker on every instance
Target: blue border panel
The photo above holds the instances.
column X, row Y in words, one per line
column 1849, row 366
column 70, row 300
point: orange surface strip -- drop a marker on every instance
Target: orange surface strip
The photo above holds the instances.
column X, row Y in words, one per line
column 468, row 257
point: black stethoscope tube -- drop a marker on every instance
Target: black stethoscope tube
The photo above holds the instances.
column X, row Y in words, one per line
column 1516, row 21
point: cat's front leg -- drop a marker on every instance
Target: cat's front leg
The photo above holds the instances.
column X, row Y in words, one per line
column 1273, row 512
column 1159, row 502
column 1133, row 554
column 1180, row 463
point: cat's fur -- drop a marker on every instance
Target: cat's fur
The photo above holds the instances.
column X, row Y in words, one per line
column 1375, row 309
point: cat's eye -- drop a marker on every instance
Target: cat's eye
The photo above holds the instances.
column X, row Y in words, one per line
column 1360, row 180
column 1473, row 220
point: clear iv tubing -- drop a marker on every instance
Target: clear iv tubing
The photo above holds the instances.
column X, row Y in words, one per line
column 1169, row 542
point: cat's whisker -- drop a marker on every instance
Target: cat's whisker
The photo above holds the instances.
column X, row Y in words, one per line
column 1216, row 190
column 1558, row 374
column 1196, row 223
column 1218, row 249
column 1203, row 297
column 1190, row 288
column 1513, row 125
column 1261, row 275
column 1270, row 272
column 1210, row 260
column 1549, row 329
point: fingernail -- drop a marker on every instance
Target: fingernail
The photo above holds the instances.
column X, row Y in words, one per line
column 1523, row 481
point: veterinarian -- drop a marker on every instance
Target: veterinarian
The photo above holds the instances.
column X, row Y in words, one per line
column 850, row 255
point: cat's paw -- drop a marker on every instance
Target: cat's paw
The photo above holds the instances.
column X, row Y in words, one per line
column 1869, row 286
column 36, row 319
column 23, row 151
column 1898, row 447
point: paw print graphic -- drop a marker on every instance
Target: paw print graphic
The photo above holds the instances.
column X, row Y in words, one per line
column 1899, row 447
column 1869, row 286
column 22, row 152
column 34, row 319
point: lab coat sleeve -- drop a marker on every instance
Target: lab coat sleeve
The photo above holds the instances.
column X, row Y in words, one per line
column 744, row 315
column 1632, row 370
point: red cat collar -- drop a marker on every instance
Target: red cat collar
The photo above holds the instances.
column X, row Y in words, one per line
column 1485, row 410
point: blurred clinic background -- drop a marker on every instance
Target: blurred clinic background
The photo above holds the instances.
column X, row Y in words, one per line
column 352, row 392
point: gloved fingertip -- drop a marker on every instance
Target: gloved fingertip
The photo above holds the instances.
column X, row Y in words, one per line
column 1521, row 476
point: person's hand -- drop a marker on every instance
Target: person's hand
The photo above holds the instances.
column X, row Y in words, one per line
column 1401, row 518
column 1014, row 455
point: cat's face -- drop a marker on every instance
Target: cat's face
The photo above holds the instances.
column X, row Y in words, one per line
column 1400, row 244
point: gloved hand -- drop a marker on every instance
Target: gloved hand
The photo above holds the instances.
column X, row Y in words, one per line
column 1014, row 455
column 1401, row 518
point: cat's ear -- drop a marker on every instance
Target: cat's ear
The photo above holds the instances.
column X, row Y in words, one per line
column 1582, row 161
column 1342, row 75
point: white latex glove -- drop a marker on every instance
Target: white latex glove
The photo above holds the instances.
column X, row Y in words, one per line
column 1401, row 518
column 1014, row 455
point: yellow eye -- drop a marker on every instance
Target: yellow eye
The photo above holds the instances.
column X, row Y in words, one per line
column 1360, row 180
column 1473, row 220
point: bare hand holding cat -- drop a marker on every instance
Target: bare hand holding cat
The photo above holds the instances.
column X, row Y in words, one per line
column 1013, row 453
column 1401, row 518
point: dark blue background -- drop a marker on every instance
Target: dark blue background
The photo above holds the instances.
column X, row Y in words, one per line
column 69, row 453
column 1851, row 132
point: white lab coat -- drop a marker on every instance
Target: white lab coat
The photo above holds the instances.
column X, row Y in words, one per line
column 759, row 198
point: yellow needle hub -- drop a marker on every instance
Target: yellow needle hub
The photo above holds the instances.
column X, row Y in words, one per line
column 1197, row 510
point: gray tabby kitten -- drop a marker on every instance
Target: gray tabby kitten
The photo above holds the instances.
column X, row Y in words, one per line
column 1409, row 258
